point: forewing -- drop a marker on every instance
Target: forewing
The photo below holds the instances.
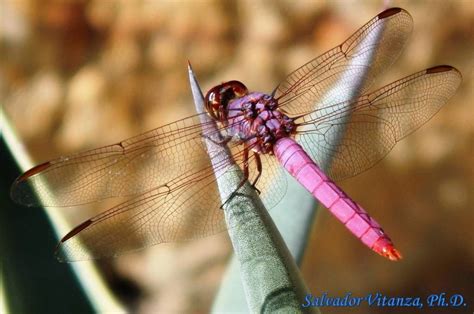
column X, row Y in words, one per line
column 369, row 127
column 347, row 70
column 128, row 168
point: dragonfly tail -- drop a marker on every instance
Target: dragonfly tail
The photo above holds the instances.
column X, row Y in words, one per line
column 386, row 249
column 295, row 160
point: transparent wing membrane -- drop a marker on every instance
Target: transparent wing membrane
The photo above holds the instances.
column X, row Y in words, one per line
column 348, row 69
column 376, row 120
column 167, row 176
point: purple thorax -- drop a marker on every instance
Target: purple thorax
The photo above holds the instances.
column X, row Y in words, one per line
column 255, row 119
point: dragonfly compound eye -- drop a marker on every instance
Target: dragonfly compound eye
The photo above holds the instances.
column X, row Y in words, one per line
column 218, row 97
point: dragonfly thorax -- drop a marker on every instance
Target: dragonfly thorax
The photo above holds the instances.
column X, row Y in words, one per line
column 256, row 119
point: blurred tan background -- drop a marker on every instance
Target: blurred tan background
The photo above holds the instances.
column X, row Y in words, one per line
column 80, row 74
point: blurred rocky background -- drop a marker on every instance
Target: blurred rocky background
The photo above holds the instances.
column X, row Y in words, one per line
column 76, row 75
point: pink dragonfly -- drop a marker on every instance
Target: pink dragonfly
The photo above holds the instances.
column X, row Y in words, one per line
column 169, row 180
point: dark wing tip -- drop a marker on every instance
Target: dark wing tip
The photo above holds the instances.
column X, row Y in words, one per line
column 440, row 68
column 389, row 12
column 76, row 230
column 61, row 254
column 21, row 191
column 35, row 170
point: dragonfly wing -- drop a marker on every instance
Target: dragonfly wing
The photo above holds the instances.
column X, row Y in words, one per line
column 370, row 126
column 128, row 168
column 187, row 207
column 347, row 70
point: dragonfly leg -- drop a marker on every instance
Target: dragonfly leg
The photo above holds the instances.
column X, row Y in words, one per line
column 246, row 175
column 258, row 161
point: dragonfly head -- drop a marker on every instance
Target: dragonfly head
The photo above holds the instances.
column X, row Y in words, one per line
column 218, row 97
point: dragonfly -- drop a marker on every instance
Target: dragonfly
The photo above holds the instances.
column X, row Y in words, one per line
column 324, row 108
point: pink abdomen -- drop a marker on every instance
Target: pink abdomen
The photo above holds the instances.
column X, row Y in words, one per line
column 295, row 160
